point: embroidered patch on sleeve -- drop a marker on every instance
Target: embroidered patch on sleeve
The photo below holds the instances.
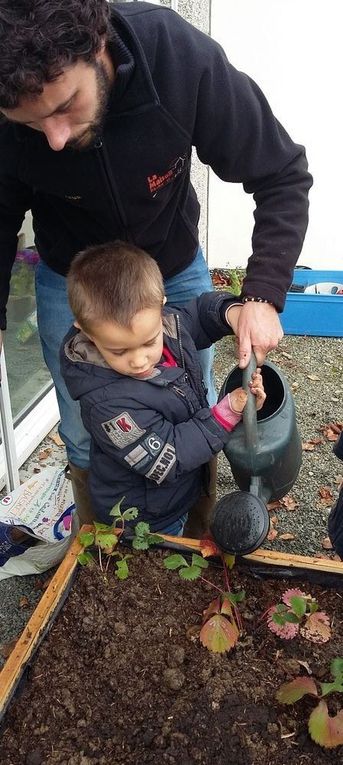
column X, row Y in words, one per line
column 138, row 457
column 153, row 443
column 163, row 464
column 122, row 430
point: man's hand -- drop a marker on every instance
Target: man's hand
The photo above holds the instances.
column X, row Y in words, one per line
column 256, row 326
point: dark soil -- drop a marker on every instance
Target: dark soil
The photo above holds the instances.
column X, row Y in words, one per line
column 122, row 678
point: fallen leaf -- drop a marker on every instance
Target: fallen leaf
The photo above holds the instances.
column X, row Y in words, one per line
column 314, row 378
column 289, row 502
column 306, row 665
column 7, row 648
column 208, row 547
column 272, row 534
column 317, row 628
column 287, row 537
column 326, row 543
column 274, row 505
column 332, row 430
column 325, row 730
column 291, row 692
column 56, row 438
column 308, row 446
column 44, row 453
column 274, row 520
column 326, row 496
column 24, row 602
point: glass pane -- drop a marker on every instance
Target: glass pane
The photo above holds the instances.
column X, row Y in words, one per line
column 28, row 377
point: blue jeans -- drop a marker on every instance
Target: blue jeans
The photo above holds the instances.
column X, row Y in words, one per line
column 55, row 319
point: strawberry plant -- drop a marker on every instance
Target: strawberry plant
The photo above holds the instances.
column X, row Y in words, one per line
column 298, row 614
column 221, row 621
column 324, row 729
column 105, row 538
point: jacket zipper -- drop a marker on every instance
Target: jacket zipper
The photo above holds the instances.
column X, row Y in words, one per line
column 105, row 164
column 178, row 329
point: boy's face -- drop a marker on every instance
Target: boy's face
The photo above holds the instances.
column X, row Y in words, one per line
column 134, row 350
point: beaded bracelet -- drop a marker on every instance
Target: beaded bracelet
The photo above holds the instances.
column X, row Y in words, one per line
column 250, row 299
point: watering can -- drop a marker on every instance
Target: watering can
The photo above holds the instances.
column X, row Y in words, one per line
column 264, row 452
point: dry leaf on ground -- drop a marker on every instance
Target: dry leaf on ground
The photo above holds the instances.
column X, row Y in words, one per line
column 56, row 438
column 45, row 453
column 287, row 536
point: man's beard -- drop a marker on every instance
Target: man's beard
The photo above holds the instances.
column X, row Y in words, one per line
column 94, row 129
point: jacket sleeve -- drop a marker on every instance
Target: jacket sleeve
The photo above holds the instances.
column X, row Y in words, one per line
column 204, row 317
column 15, row 200
column 232, row 126
column 144, row 441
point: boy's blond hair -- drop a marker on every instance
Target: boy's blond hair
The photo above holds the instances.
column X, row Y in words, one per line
column 112, row 282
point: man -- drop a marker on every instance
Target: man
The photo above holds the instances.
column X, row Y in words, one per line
column 102, row 105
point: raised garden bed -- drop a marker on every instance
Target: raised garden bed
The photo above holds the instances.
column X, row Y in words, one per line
column 123, row 678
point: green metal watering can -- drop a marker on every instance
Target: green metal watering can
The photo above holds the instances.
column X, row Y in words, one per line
column 264, row 452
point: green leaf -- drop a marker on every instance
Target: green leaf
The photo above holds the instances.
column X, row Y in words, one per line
column 116, row 511
column 139, row 543
column 122, row 570
column 235, row 597
column 325, row 730
column 279, row 619
column 154, row 539
column 104, row 540
column 298, row 605
column 130, row 514
column 336, row 667
column 336, row 687
column 313, row 606
column 219, row 634
column 281, row 608
column 175, row 561
column 197, row 560
column 290, row 617
column 291, row 692
column 191, row 572
column 102, row 527
column 84, row 558
column 86, row 539
column 141, row 529
column 229, row 560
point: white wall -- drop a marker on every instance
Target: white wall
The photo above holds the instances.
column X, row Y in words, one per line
column 293, row 50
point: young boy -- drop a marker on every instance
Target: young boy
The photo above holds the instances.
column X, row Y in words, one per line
column 133, row 365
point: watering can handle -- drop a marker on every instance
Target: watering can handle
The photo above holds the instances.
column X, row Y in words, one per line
column 249, row 412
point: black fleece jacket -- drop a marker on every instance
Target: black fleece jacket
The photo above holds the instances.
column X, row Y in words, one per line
column 174, row 89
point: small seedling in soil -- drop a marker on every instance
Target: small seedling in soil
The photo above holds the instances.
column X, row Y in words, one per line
column 105, row 538
column 221, row 622
column 325, row 730
column 298, row 614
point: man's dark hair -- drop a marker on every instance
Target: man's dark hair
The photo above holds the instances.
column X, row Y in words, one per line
column 39, row 38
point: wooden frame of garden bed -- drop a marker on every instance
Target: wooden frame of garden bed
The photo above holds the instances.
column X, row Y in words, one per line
column 55, row 594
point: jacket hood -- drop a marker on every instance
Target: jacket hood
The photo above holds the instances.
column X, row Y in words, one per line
column 82, row 365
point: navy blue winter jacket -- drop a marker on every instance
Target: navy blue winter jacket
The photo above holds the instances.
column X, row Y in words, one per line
column 174, row 89
column 149, row 438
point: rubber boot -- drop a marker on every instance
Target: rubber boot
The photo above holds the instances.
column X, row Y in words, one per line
column 199, row 517
column 79, row 480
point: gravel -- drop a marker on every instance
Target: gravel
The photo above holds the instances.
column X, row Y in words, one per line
column 318, row 402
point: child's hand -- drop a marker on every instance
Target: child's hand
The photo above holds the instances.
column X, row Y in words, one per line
column 256, row 387
column 238, row 397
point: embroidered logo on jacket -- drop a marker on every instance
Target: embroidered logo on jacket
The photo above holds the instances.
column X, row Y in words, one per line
column 157, row 182
column 122, row 430
column 163, row 464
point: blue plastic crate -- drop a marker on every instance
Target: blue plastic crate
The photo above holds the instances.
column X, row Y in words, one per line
column 314, row 314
